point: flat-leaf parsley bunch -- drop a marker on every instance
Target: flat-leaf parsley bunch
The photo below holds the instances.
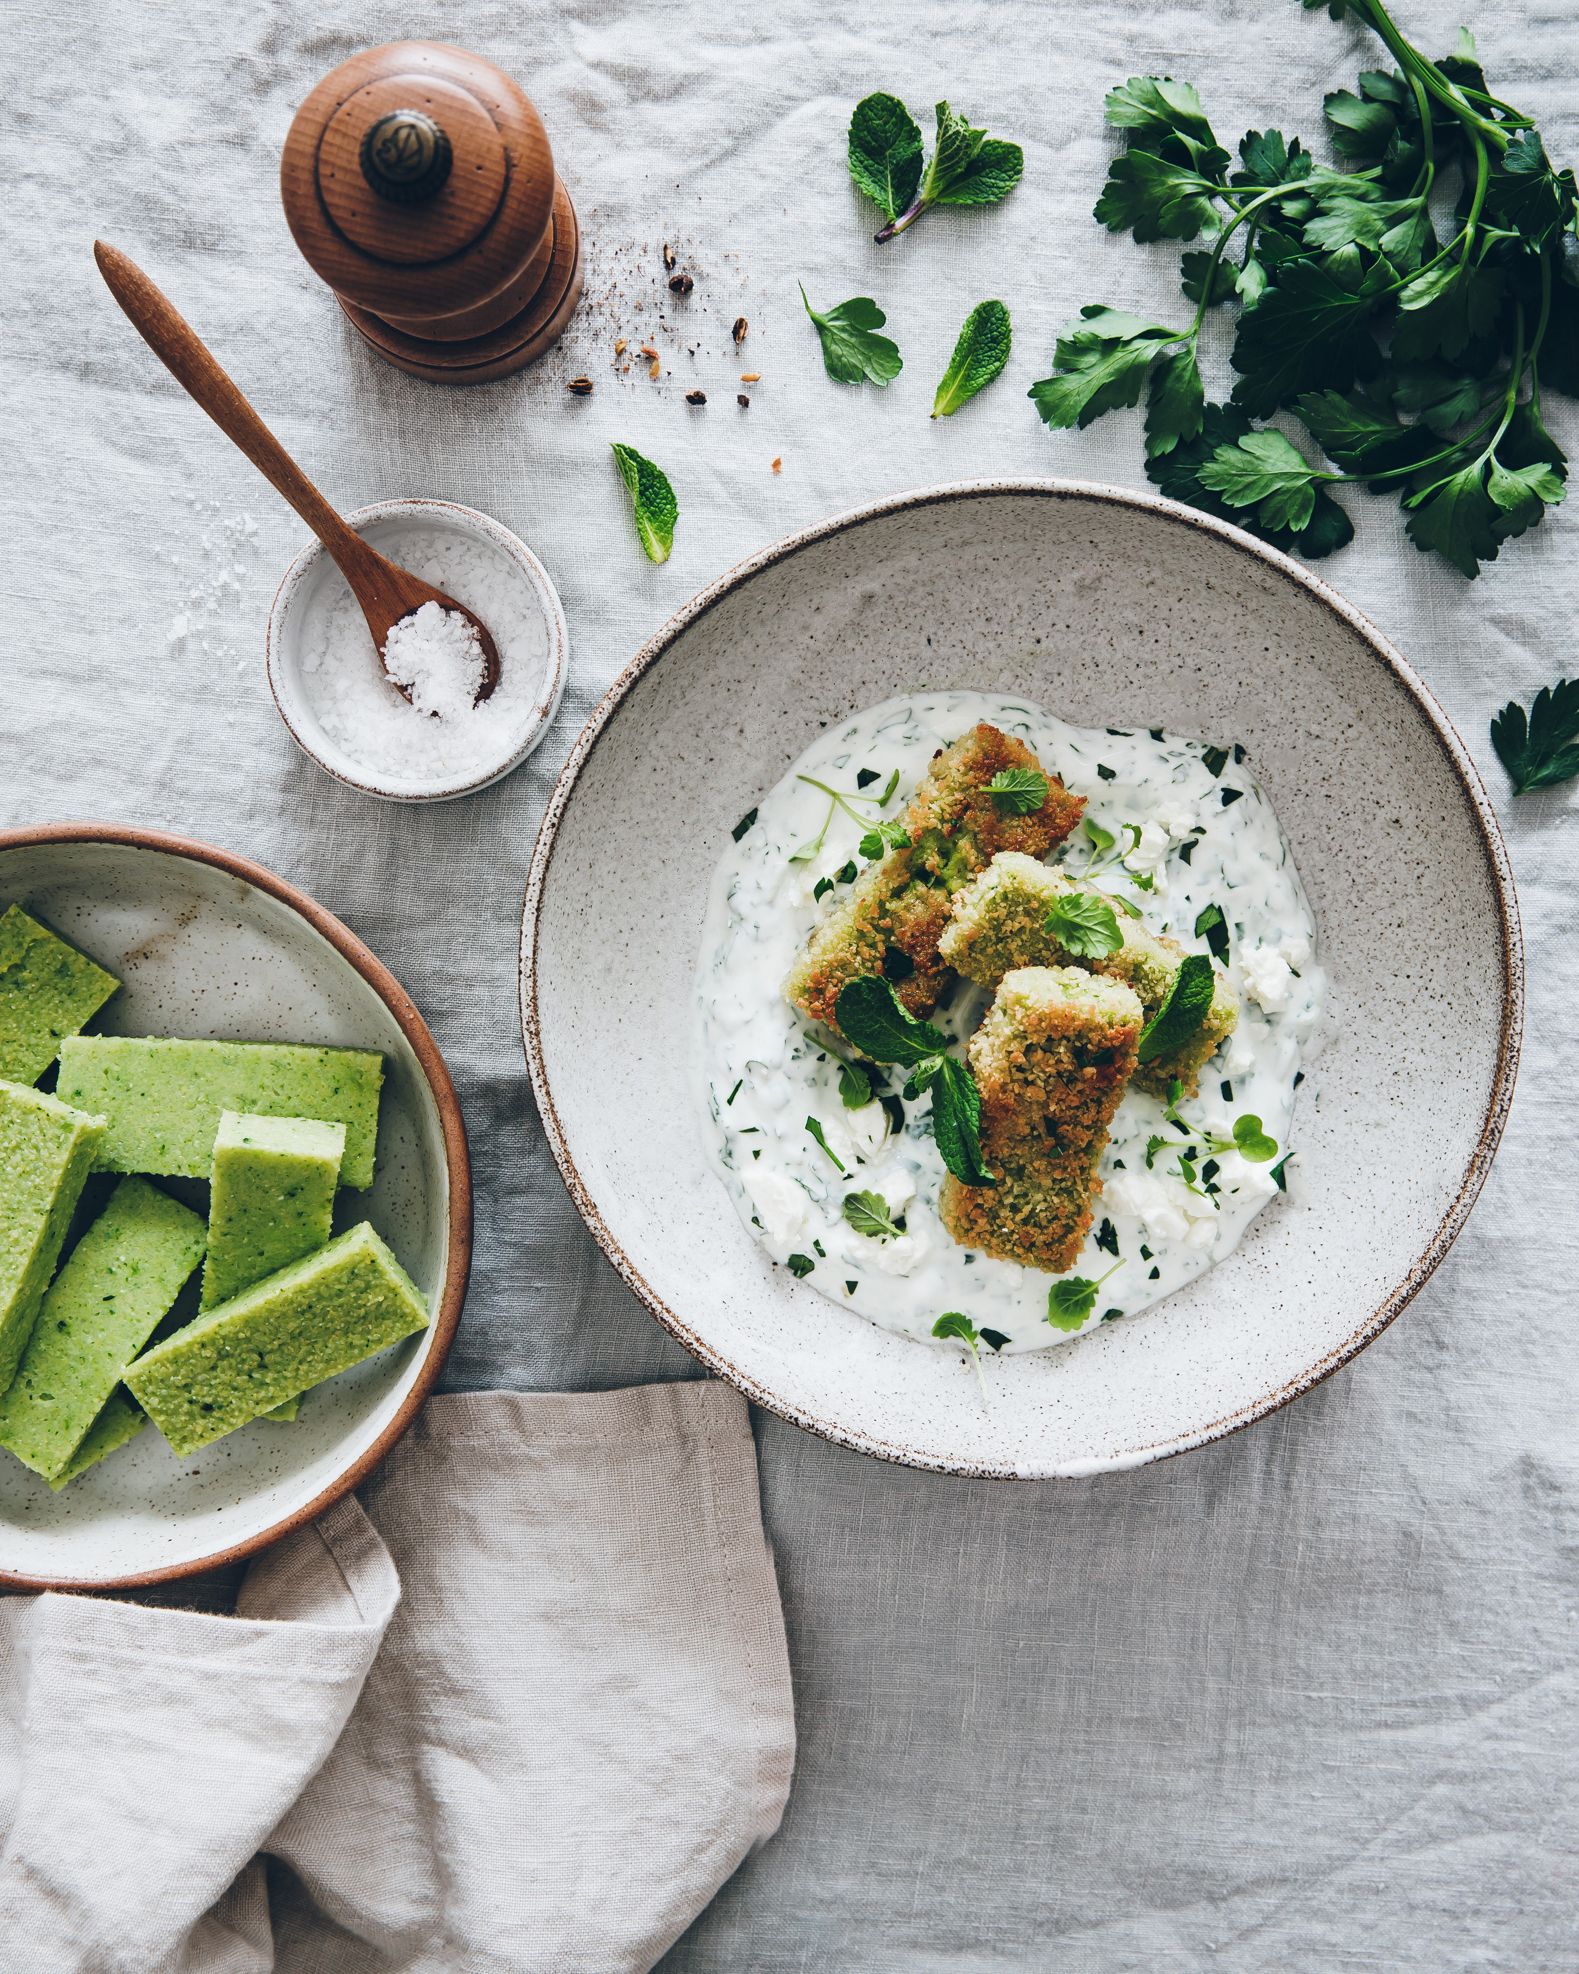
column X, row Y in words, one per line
column 1478, row 310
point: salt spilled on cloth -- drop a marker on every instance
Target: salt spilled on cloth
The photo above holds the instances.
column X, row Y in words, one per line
column 399, row 741
column 437, row 656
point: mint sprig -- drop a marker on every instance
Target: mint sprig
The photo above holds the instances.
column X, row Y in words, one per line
column 852, row 351
column 1018, row 791
column 967, row 168
column 1182, row 1012
column 872, row 1019
column 652, row 501
column 868, row 1214
column 979, row 356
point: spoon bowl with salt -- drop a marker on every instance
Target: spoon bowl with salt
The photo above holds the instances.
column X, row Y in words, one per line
column 441, row 651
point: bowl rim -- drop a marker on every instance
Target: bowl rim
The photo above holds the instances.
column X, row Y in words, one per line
column 1458, row 757
column 457, row 1265
column 403, row 507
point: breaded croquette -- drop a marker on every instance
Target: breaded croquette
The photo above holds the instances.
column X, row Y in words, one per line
column 999, row 922
column 1051, row 1060
column 894, row 916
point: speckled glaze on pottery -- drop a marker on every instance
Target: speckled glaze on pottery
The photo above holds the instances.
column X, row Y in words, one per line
column 382, row 525
column 209, row 945
column 1111, row 609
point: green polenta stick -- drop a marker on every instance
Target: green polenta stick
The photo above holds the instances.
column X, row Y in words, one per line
column 164, row 1099
column 122, row 1419
column 271, row 1198
column 48, row 990
column 102, row 1307
column 46, row 1153
column 294, row 1329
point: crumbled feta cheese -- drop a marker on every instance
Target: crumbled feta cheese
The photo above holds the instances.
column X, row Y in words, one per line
column 1266, row 975
column 1202, row 1235
column 1177, row 818
column 1236, row 1174
column 1296, row 951
column 1241, row 1049
column 854, row 1136
column 1146, row 1196
column 779, row 1203
column 896, row 1183
column 901, row 1256
column 1150, row 854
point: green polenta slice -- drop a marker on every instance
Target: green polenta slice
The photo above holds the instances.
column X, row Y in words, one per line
column 164, row 1099
column 102, row 1307
column 271, row 1197
column 48, row 990
column 46, row 1153
column 122, row 1419
column 294, row 1329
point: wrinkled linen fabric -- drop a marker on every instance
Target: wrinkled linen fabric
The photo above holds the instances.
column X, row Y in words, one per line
column 524, row 1707
column 1302, row 1699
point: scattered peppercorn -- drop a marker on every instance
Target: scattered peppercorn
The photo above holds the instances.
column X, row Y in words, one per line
column 696, row 397
column 582, row 386
column 682, row 284
column 742, row 400
column 668, row 254
column 739, row 330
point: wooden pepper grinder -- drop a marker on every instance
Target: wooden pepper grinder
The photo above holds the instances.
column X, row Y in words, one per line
column 418, row 182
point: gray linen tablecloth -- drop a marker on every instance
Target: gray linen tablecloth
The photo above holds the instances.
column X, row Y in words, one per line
column 1302, row 1699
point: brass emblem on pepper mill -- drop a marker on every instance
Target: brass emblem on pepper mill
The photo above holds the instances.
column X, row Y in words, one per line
column 418, row 182
column 406, row 157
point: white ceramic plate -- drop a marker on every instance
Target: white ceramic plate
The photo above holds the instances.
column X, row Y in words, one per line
column 211, row 946
column 1110, row 609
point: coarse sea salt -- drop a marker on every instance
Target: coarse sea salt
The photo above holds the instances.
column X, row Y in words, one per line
column 362, row 712
column 437, row 656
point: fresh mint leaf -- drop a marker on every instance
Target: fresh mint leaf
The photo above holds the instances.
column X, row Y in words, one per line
column 1265, row 472
column 1100, row 364
column 1018, row 791
column 956, row 1123
column 882, row 837
column 1070, row 1302
column 885, row 153
column 967, row 168
column 852, row 351
column 816, row 1131
column 868, row 1214
column 800, row 1266
column 1175, row 402
column 979, row 357
column 872, row 1019
column 1084, row 924
column 1251, row 1141
column 1182, row 1012
column 652, row 500
column 855, row 1087
column 1540, row 751
column 1307, row 334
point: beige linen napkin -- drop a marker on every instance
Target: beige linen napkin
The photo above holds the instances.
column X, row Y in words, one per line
column 544, row 1745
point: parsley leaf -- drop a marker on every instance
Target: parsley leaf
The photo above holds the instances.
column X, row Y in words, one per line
column 800, row 1266
column 884, row 836
column 1309, row 333
column 868, row 1214
column 1182, row 1012
column 852, row 352
column 1175, row 402
column 1264, row 471
column 1070, row 1302
column 885, row 153
column 652, row 499
column 1177, row 474
column 968, row 168
column 1018, row 791
column 1155, row 199
column 1084, row 924
column 1540, row 751
column 1100, row 364
column 979, row 357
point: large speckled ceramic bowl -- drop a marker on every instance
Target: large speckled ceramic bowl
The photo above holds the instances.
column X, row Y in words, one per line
column 209, row 945
column 1110, row 609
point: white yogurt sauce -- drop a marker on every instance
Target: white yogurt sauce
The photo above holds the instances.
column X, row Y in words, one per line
column 763, row 1071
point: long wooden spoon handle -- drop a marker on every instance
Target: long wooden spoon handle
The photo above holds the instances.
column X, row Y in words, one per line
column 183, row 352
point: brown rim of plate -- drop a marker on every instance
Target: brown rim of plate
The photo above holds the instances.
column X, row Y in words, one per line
column 457, row 1267
column 1512, row 955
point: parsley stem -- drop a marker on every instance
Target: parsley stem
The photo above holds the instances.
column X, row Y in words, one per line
column 1210, row 277
column 843, row 804
column 1414, row 63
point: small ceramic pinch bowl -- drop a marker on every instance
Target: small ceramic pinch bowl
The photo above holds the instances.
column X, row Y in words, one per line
column 211, row 946
column 534, row 648
column 1110, row 609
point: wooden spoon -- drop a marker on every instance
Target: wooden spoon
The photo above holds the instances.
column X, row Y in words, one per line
column 387, row 594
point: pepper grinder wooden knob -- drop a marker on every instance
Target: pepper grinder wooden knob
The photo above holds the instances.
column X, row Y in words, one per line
column 418, row 182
